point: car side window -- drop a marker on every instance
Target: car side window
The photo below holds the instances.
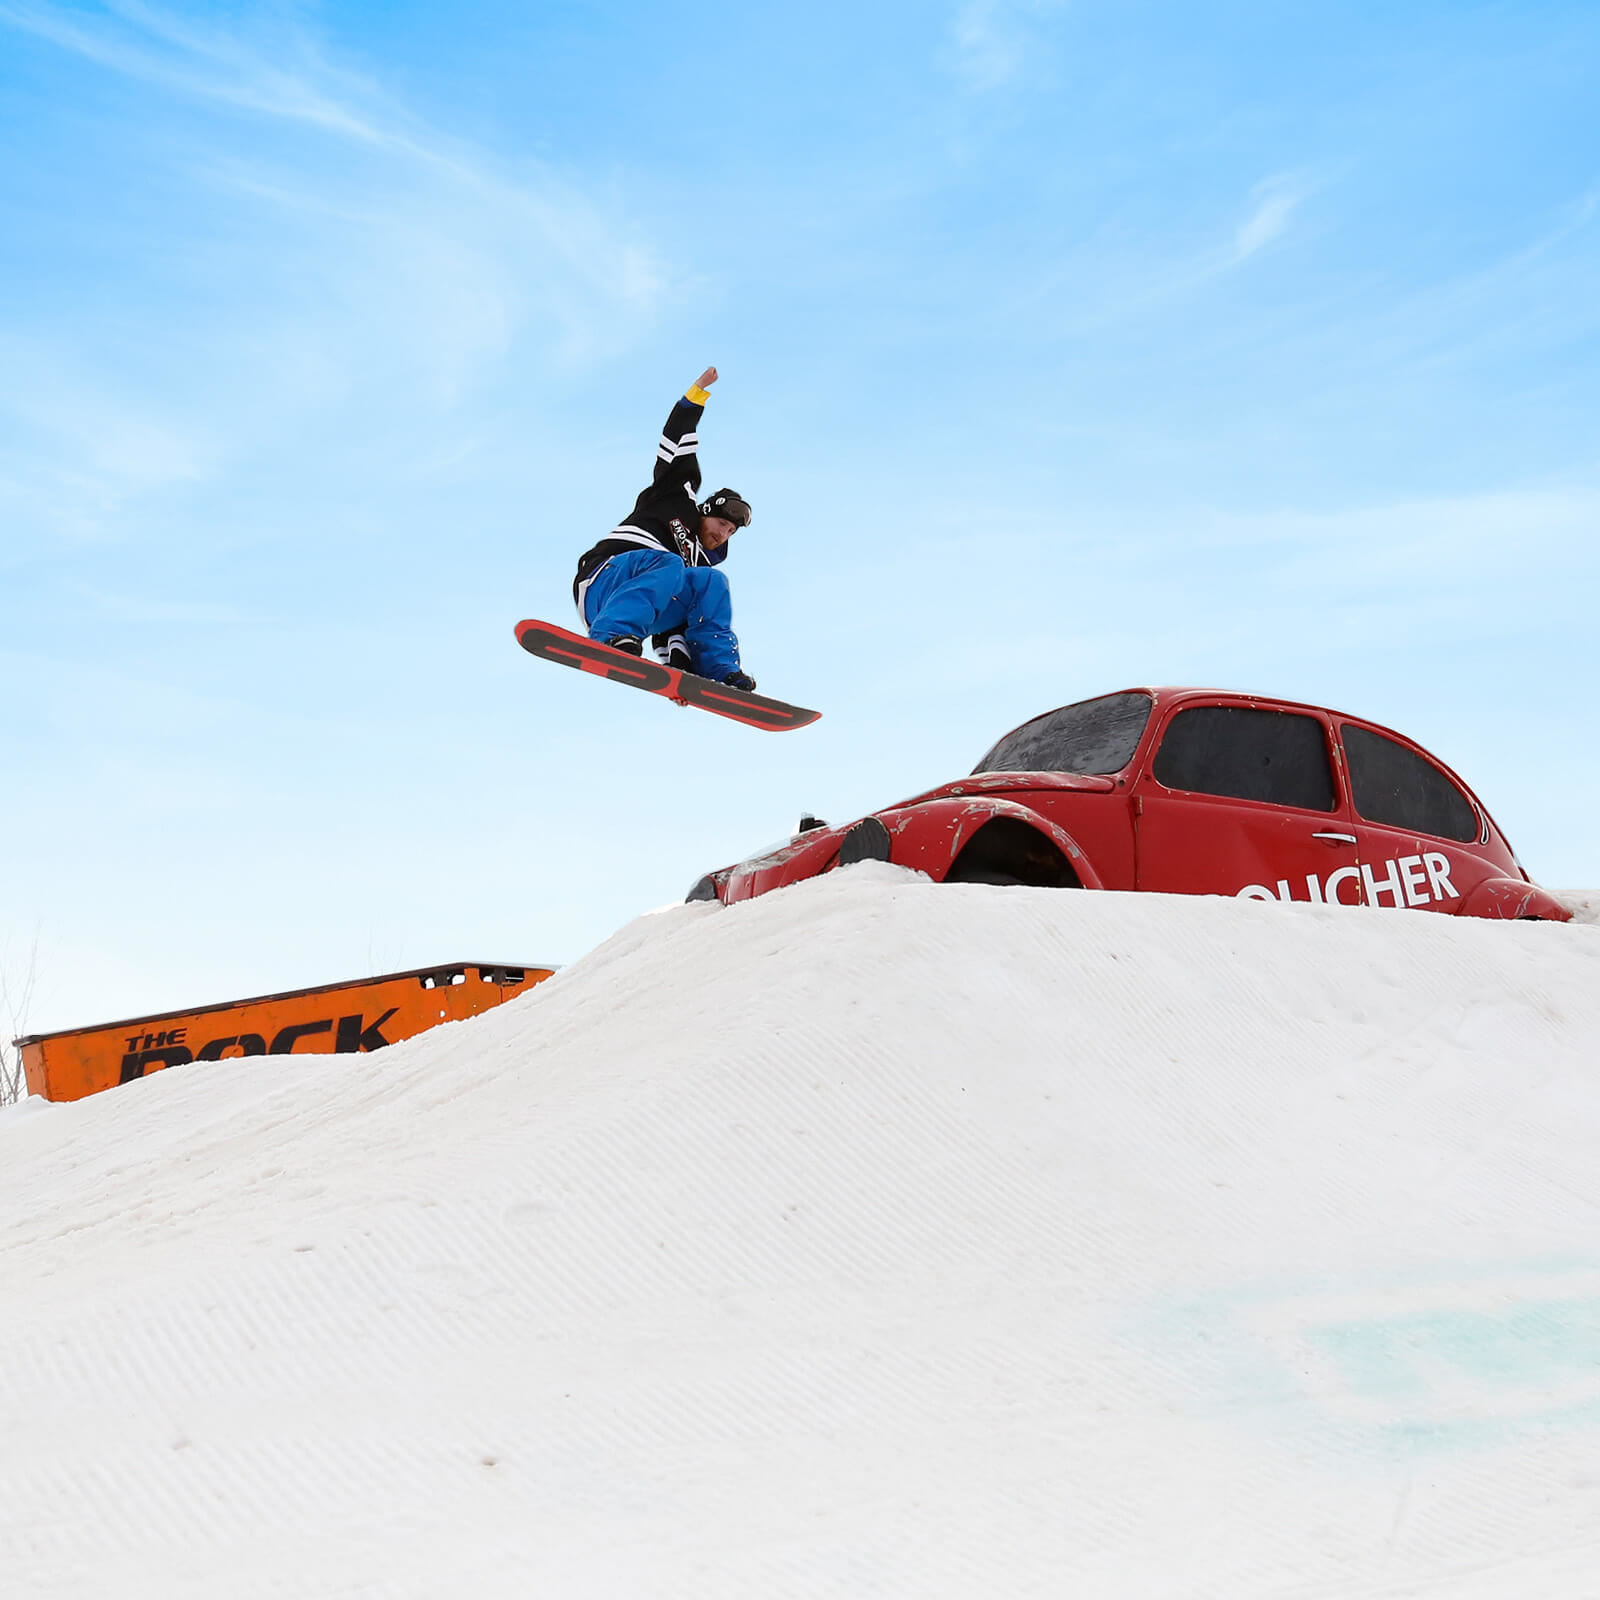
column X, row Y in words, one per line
column 1246, row 754
column 1398, row 788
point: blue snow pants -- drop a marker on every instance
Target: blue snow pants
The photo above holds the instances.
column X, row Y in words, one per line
column 642, row 592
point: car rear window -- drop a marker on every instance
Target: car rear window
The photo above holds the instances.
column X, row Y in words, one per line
column 1398, row 788
column 1246, row 754
column 1093, row 737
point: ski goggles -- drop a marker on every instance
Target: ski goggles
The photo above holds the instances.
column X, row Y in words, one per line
column 729, row 506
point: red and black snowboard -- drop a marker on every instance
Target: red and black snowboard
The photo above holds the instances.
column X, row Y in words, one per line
column 588, row 655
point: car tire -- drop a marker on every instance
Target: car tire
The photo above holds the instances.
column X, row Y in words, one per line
column 868, row 840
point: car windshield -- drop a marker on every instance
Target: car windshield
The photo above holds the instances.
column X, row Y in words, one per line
column 1091, row 737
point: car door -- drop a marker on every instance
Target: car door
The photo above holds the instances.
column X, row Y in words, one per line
column 1420, row 834
column 1245, row 799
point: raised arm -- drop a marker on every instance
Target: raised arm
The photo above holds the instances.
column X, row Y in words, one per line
column 677, row 463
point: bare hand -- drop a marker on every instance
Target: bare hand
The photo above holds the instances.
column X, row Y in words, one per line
column 706, row 378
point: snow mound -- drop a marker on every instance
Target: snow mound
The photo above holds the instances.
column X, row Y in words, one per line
column 874, row 1237
column 1584, row 904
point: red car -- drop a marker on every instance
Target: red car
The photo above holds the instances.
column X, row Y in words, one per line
column 1189, row 791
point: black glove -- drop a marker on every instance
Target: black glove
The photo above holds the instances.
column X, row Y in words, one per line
column 678, row 657
column 740, row 680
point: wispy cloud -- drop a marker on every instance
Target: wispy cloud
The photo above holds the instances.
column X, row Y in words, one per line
column 77, row 445
column 1115, row 277
column 164, row 50
column 1274, row 201
column 1438, row 541
column 173, row 53
column 336, row 255
column 990, row 39
column 47, row 397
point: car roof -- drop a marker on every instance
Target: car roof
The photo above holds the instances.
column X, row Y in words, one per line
column 1166, row 694
column 1169, row 694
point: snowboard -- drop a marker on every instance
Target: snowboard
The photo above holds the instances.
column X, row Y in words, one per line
column 546, row 640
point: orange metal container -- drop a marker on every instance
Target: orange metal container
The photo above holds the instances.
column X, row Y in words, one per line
column 337, row 1018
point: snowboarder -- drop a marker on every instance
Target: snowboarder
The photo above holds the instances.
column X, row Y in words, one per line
column 656, row 573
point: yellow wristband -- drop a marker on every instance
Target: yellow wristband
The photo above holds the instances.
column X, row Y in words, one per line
column 695, row 393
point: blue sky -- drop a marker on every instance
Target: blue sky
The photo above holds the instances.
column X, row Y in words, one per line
column 1063, row 347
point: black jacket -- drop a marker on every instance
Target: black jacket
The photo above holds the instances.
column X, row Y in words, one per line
column 665, row 516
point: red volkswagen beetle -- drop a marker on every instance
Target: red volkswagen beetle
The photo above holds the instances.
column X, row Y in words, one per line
column 1189, row 791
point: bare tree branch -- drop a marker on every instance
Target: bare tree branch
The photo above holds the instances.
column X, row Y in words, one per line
column 16, row 997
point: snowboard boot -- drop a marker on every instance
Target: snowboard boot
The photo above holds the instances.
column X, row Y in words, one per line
column 740, row 680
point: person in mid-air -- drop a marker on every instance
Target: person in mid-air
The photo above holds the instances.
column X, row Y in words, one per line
column 656, row 574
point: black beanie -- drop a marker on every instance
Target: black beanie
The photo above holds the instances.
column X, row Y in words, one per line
column 728, row 504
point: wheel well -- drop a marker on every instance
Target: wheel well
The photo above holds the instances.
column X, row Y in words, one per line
column 1007, row 850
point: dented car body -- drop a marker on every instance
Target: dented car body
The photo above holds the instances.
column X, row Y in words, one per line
column 1189, row 791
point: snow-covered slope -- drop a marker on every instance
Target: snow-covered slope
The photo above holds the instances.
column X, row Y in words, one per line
column 870, row 1238
column 1584, row 906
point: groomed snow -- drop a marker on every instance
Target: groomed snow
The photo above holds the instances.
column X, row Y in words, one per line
column 872, row 1238
column 1584, row 906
